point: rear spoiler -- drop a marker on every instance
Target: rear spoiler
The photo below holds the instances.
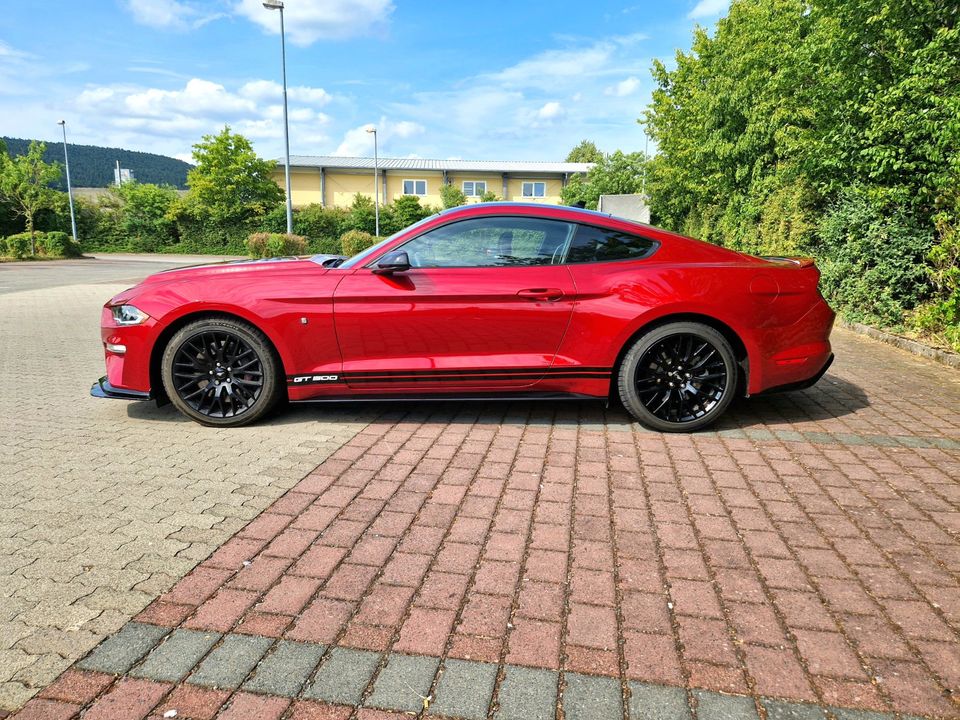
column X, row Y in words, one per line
column 803, row 262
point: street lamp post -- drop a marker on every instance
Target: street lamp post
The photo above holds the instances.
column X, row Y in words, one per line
column 277, row 5
column 376, row 181
column 66, row 162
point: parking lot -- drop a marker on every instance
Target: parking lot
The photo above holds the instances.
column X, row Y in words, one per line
column 509, row 560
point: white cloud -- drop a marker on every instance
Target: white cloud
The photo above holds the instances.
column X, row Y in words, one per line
column 308, row 21
column 357, row 142
column 708, row 8
column 174, row 119
column 550, row 111
column 170, row 13
column 260, row 90
column 624, row 87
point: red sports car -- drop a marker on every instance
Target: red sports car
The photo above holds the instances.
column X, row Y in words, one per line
column 497, row 300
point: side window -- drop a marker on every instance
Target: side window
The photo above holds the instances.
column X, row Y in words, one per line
column 534, row 189
column 474, row 188
column 415, row 187
column 594, row 244
column 491, row 242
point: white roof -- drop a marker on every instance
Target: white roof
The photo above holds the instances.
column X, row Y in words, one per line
column 489, row 166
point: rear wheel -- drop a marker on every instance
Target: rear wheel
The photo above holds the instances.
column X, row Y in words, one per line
column 221, row 372
column 678, row 377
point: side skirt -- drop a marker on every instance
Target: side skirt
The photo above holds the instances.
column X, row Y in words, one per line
column 430, row 397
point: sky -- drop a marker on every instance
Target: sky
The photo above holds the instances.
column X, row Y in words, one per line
column 492, row 80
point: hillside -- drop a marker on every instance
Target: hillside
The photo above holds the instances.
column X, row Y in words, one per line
column 92, row 165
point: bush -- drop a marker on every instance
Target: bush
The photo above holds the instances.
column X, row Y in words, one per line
column 57, row 244
column 356, row 241
column 19, row 245
column 451, row 196
column 265, row 245
column 3, row 246
column 874, row 252
column 326, row 246
column 317, row 222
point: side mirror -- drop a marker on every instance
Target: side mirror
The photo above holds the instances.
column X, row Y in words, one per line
column 392, row 263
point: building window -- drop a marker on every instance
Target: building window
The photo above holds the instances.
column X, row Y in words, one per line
column 415, row 187
column 474, row 188
column 534, row 189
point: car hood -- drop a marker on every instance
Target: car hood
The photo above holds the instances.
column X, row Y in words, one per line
column 240, row 270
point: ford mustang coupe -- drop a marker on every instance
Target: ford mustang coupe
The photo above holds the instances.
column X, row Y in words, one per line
column 496, row 300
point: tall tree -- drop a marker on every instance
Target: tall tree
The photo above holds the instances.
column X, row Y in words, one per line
column 25, row 183
column 616, row 174
column 585, row 151
column 230, row 183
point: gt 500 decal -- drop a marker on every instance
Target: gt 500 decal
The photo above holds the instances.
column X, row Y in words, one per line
column 311, row 379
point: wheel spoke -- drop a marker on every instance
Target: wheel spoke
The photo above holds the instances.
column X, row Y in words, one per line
column 217, row 373
column 681, row 378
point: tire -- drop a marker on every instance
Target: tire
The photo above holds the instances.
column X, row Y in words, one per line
column 221, row 372
column 678, row 377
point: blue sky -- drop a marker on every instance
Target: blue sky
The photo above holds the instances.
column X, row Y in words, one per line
column 475, row 80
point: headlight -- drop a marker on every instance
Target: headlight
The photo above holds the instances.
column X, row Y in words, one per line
column 128, row 315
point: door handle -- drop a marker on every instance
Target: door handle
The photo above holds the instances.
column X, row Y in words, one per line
column 543, row 294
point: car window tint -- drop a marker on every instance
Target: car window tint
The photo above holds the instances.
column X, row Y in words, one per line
column 594, row 244
column 491, row 242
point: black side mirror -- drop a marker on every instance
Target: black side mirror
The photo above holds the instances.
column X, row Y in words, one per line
column 392, row 263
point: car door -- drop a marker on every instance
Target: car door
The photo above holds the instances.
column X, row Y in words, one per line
column 484, row 306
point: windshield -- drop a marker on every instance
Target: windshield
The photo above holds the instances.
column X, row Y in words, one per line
column 360, row 258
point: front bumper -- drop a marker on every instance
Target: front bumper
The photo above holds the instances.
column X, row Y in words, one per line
column 103, row 389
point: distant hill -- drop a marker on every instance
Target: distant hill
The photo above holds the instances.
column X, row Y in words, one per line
column 92, row 165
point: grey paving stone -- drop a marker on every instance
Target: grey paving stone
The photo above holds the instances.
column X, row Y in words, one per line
column 714, row 706
column 590, row 698
column 344, row 675
column 842, row 714
column 117, row 654
column 286, row 669
column 227, row 665
column 658, row 702
column 403, row 683
column 527, row 694
column 175, row 657
column 465, row 689
column 780, row 710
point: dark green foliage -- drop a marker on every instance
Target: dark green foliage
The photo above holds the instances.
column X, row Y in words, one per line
column 586, row 151
column 404, row 211
column 267, row 245
column 19, row 245
column 355, row 241
column 315, row 221
column 93, row 166
column 872, row 257
column 617, row 174
column 362, row 214
column 57, row 244
column 764, row 126
column 451, row 196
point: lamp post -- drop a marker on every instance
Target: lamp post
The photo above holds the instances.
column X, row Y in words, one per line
column 376, row 180
column 66, row 162
column 277, row 5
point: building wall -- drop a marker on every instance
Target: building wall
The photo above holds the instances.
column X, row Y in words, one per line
column 434, row 180
column 342, row 186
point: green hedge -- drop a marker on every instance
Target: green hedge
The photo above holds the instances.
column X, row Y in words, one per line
column 267, row 245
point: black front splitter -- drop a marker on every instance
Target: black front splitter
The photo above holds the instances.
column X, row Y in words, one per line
column 103, row 389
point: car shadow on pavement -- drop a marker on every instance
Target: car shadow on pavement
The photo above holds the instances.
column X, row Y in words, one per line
column 831, row 398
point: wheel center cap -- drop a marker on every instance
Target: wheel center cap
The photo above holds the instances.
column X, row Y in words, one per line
column 220, row 373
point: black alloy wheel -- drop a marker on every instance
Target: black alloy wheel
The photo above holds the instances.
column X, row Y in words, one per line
column 220, row 372
column 679, row 377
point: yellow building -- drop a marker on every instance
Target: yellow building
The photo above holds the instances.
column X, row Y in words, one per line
column 334, row 181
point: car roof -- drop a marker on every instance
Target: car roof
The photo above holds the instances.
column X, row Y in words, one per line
column 546, row 210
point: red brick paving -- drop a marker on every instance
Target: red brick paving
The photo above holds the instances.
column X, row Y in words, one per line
column 563, row 537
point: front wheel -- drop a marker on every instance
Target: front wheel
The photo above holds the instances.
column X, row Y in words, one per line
column 678, row 377
column 221, row 372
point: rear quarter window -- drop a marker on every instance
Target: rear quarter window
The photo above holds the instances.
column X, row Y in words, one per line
column 595, row 244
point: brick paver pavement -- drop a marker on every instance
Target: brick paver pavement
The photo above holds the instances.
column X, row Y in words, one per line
column 522, row 561
column 533, row 561
column 104, row 504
